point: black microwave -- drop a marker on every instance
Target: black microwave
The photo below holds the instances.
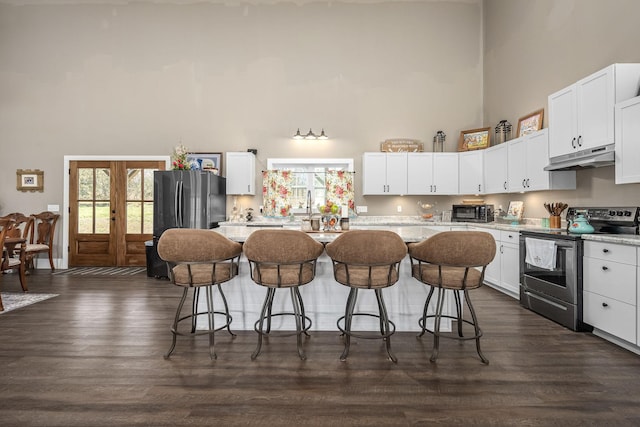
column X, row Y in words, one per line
column 472, row 213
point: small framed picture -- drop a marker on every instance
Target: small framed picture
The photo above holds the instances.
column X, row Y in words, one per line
column 211, row 162
column 30, row 180
column 516, row 209
column 530, row 123
column 474, row 139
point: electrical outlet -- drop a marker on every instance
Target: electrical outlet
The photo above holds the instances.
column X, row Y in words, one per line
column 399, row 208
column 361, row 209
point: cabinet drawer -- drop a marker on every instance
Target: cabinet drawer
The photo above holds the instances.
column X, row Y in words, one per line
column 509, row 236
column 617, row 253
column 610, row 279
column 611, row 316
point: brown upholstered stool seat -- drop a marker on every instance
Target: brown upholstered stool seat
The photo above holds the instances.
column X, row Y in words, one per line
column 366, row 259
column 282, row 259
column 199, row 259
column 454, row 261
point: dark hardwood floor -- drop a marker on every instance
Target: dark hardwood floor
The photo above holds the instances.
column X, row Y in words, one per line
column 93, row 356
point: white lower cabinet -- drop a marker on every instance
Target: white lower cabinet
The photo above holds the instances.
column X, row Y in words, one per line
column 609, row 289
column 503, row 273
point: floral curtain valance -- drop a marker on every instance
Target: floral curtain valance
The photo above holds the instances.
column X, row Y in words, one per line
column 340, row 188
column 277, row 184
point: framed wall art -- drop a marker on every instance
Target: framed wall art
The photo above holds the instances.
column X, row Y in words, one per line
column 211, row 162
column 530, row 123
column 30, row 180
column 474, row 139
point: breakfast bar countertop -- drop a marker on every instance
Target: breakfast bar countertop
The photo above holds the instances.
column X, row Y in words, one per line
column 408, row 233
column 410, row 228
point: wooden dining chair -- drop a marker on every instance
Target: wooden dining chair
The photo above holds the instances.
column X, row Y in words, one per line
column 41, row 238
column 23, row 225
column 12, row 253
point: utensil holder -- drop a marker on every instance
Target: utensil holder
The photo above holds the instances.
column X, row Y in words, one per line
column 554, row 221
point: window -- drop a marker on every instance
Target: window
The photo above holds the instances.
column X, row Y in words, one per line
column 288, row 182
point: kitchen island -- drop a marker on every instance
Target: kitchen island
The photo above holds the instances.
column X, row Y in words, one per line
column 324, row 298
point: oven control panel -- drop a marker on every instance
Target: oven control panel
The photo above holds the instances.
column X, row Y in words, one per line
column 625, row 214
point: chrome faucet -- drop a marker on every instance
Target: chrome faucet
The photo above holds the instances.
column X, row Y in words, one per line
column 309, row 204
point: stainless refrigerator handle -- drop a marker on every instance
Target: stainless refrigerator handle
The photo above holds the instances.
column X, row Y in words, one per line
column 179, row 202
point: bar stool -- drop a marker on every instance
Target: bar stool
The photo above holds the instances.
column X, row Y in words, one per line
column 455, row 261
column 199, row 259
column 282, row 259
column 366, row 259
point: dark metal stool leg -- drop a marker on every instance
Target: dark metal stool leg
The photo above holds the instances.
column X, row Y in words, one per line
column 304, row 315
column 226, row 310
column 456, row 295
column 384, row 318
column 194, row 308
column 268, row 300
column 212, row 325
column 477, row 329
column 348, row 315
column 424, row 312
column 299, row 321
column 174, row 329
column 436, row 329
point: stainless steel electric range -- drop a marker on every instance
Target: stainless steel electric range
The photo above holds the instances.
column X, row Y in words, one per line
column 553, row 287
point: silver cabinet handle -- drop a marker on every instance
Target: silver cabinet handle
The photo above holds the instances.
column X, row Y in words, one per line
column 523, row 183
column 505, row 185
column 528, row 183
column 573, row 142
column 580, row 141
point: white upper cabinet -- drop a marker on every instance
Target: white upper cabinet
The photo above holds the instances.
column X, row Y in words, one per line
column 526, row 158
column 495, row 169
column 409, row 173
column 445, row 173
column 384, row 173
column 471, row 167
column 419, row 173
column 241, row 173
column 628, row 141
column 581, row 116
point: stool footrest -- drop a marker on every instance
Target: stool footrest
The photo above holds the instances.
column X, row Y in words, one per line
column 392, row 328
column 421, row 323
column 228, row 320
column 307, row 325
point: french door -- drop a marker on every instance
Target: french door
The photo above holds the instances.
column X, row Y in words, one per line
column 110, row 211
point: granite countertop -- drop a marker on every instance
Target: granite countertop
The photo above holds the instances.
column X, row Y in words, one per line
column 409, row 234
column 410, row 228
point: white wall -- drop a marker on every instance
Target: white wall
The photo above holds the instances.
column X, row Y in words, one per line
column 534, row 48
column 133, row 78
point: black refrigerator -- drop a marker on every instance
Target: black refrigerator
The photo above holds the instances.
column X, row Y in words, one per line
column 184, row 199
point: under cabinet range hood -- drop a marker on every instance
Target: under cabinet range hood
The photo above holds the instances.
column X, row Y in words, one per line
column 591, row 158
